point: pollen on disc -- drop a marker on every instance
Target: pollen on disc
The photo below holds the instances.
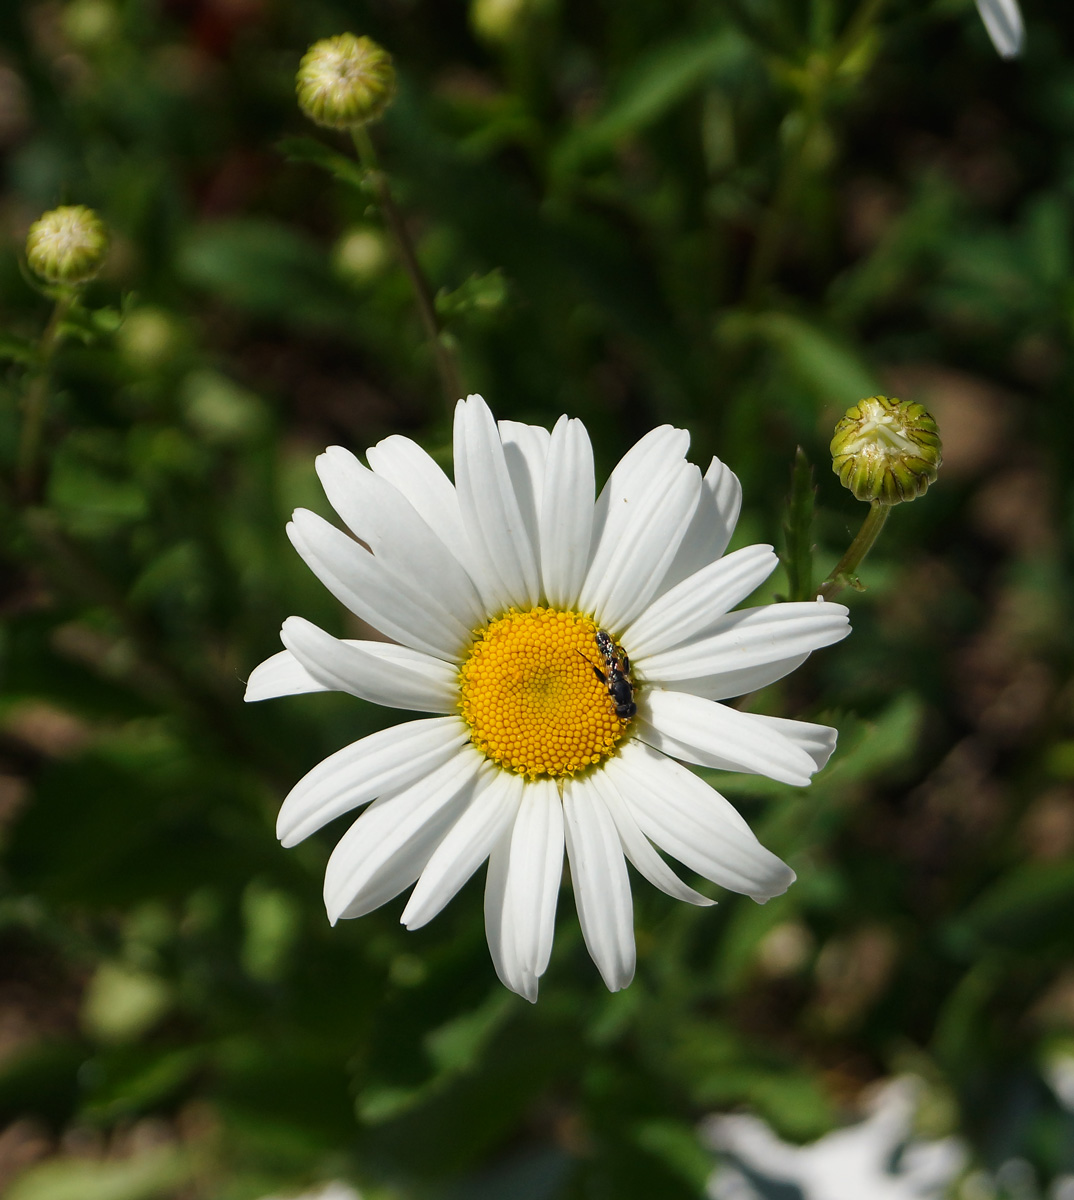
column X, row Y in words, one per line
column 529, row 692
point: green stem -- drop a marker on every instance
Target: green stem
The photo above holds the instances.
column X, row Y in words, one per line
column 844, row 572
column 35, row 404
column 770, row 237
column 446, row 366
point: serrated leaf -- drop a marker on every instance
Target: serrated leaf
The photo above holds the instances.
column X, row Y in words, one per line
column 479, row 294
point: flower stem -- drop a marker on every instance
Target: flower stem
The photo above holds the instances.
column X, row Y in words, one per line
column 770, row 237
column 843, row 574
column 446, row 366
column 35, row 404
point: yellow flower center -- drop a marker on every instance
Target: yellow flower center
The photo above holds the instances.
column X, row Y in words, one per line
column 531, row 697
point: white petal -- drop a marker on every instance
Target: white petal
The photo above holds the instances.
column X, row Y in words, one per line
column 490, row 509
column 749, row 638
column 380, row 672
column 376, row 765
column 280, row 675
column 566, row 526
column 382, row 517
column 530, row 890
column 401, row 605
column 818, row 741
column 727, row 684
column 712, row 524
column 639, row 849
column 694, row 823
column 693, row 606
column 1003, row 20
column 714, row 735
column 500, row 935
column 385, row 850
column 466, row 845
column 656, row 457
column 525, row 450
column 416, row 474
column 626, row 572
column 601, row 883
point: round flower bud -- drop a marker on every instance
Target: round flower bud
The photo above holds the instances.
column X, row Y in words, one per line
column 345, row 81
column 886, row 450
column 499, row 20
column 67, row 245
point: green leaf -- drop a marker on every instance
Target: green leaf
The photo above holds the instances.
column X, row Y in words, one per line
column 659, row 81
column 90, row 498
column 1028, row 908
column 309, row 150
column 677, row 1145
column 479, row 294
column 826, row 365
column 17, row 349
column 266, row 268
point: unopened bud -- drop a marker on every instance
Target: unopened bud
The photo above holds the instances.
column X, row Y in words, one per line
column 500, row 20
column 67, row 245
column 345, row 81
column 886, row 450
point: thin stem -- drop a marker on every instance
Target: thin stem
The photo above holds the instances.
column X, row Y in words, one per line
column 770, row 237
column 35, row 404
column 446, row 366
column 844, row 572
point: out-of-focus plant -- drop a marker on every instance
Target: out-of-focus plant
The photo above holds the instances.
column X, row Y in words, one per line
column 740, row 219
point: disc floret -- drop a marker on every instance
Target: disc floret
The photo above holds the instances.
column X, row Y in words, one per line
column 531, row 695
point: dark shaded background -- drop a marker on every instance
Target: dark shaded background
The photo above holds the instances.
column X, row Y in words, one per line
column 174, row 1008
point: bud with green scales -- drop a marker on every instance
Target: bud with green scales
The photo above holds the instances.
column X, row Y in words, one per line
column 344, row 82
column 67, row 245
column 886, row 450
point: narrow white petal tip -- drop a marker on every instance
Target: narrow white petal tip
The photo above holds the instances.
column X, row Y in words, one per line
column 777, row 888
column 1003, row 20
column 526, row 988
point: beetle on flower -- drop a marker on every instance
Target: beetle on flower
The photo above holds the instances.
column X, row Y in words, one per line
column 530, row 754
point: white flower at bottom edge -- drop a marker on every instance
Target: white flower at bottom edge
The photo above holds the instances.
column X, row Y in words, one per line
column 492, row 590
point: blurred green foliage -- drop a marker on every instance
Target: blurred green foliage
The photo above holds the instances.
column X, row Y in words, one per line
column 736, row 216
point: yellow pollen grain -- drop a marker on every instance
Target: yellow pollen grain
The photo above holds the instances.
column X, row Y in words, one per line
column 532, row 701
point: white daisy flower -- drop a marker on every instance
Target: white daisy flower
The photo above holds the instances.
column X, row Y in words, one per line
column 534, row 621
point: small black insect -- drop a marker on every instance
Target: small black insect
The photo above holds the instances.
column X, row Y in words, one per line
column 615, row 676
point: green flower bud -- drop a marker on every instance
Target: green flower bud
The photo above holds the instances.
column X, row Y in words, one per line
column 67, row 245
column 345, row 81
column 886, row 450
column 361, row 254
column 500, row 20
